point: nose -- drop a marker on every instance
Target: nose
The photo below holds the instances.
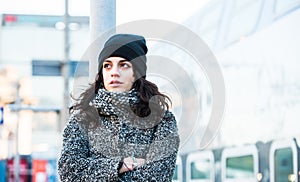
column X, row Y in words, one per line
column 115, row 72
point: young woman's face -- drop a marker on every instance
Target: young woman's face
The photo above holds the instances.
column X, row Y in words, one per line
column 117, row 74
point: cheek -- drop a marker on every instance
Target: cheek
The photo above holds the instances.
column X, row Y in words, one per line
column 131, row 77
column 105, row 76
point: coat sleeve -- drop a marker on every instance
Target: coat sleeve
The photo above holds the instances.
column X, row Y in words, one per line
column 75, row 162
column 161, row 158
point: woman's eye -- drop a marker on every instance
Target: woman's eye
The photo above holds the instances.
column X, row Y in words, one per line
column 125, row 65
column 106, row 65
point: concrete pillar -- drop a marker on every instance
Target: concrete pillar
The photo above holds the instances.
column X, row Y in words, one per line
column 102, row 19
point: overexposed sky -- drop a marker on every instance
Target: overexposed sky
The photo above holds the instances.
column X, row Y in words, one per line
column 172, row 10
column 127, row 10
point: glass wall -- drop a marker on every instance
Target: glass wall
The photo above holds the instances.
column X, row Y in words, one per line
column 242, row 19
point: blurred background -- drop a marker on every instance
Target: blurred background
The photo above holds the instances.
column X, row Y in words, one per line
column 256, row 43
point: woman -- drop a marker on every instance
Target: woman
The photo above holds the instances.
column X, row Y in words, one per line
column 121, row 129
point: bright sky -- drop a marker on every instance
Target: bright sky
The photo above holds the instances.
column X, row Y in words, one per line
column 172, row 10
column 127, row 10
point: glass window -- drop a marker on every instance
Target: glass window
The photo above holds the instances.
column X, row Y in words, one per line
column 283, row 160
column 209, row 23
column 243, row 18
column 175, row 176
column 285, row 5
column 49, row 119
column 240, row 167
column 200, row 169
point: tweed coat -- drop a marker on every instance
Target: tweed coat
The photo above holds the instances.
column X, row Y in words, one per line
column 92, row 151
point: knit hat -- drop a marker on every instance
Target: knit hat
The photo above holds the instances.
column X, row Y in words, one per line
column 129, row 46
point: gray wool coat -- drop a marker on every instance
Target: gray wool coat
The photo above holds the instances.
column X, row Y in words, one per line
column 92, row 150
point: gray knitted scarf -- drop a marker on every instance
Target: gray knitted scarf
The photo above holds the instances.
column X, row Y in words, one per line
column 120, row 104
column 114, row 103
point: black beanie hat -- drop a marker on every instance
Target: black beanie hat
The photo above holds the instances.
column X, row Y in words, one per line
column 129, row 46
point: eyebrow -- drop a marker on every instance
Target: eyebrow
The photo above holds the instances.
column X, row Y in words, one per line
column 123, row 60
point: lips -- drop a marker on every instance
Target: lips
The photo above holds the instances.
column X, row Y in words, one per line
column 115, row 83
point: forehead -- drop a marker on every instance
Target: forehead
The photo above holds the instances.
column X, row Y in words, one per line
column 115, row 59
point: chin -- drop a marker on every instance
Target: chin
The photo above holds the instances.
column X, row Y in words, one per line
column 117, row 90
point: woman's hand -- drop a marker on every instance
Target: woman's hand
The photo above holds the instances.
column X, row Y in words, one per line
column 129, row 164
